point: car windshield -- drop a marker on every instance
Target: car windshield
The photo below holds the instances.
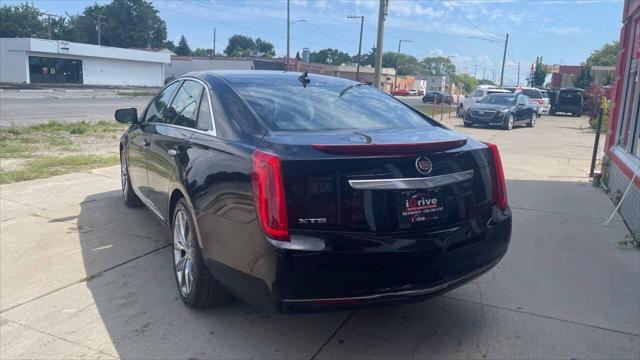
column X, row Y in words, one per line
column 532, row 93
column 322, row 106
column 500, row 99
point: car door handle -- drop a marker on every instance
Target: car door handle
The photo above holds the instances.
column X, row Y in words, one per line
column 172, row 152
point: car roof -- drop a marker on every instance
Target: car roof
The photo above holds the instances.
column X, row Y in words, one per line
column 266, row 76
column 508, row 93
column 496, row 90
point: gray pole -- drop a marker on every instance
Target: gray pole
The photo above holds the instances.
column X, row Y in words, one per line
column 483, row 70
column 504, row 57
column 379, row 43
column 359, row 44
column 475, row 70
column 288, row 27
column 395, row 79
column 213, row 51
column 518, row 73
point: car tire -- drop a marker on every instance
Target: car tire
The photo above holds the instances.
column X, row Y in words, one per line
column 130, row 198
column 532, row 121
column 508, row 125
column 467, row 124
column 196, row 287
column 552, row 112
column 460, row 111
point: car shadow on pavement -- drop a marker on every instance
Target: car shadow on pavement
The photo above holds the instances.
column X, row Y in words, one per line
column 140, row 310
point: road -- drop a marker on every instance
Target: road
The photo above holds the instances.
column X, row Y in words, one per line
column 26, row 108
column 84, row 276
column 31, row 107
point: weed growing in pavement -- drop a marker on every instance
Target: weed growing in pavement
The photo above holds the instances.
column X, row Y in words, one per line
column 631, row 241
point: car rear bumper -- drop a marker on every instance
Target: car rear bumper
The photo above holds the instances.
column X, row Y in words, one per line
column 381, row 269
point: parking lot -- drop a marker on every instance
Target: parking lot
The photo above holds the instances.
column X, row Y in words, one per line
column 84, row 276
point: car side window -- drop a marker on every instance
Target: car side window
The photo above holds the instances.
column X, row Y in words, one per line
column 204, row 114
column 478, row 93
column 156, row 110
column 184, row 108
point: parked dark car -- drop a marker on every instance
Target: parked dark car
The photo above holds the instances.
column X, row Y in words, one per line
column 568, row 100
column 504, row 110
column 307, row 192
column 437, row 96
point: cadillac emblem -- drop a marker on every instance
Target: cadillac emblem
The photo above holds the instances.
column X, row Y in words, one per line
column 423, row 165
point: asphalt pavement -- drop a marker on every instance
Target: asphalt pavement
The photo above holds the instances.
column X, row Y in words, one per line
column 30, row 107
column 84, row 276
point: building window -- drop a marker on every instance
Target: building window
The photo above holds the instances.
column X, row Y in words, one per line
column 629, row 128
column 55, row 70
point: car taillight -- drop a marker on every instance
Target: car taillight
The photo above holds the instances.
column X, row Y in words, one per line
column 500, row 187
column 268, row 191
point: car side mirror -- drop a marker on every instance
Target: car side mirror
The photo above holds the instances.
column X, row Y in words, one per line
column 127, row 116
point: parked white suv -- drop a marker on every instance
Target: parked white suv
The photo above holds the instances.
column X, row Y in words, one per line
column 476, row 95
column 536, row 96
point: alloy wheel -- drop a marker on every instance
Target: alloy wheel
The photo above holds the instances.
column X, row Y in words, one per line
column 183, row 252
column 510, row 123
column 124, row 176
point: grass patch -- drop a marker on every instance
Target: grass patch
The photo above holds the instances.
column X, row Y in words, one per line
column 82, row 127
column 56, row 148
column 57, row 165
column 428, row 109
column 631, row 241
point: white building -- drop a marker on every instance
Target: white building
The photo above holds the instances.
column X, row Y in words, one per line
column 428, row 83
column 28, row 60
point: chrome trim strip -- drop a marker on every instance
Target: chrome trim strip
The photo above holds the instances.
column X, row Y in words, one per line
column 148, row 203
column 412, row 183
column 213, row 130
column 417, row 292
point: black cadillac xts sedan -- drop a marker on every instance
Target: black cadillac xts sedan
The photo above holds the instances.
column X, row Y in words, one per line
column 302, row 192
column 504, row 110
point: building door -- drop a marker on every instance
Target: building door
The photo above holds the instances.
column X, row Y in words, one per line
column 55, row 70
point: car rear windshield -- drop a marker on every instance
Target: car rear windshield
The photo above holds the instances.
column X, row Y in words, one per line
column 532, row 93
column 500, row 99
column 495, row 92
column 322, row 106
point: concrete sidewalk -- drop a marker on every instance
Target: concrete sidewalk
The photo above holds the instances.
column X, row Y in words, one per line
column 83, row 276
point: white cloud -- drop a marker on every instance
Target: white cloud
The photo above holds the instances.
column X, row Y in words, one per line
column 566, row 30
column 436, row 52
column 484, row 60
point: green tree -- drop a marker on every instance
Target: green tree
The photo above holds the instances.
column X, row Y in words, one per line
column 183, row 47
column 486, row 82
column 368, row 58
column 169, row 45
column 22, row 20
column 132, row 23
column 605, row 56
column 240, row 45
column 330, row 56
column 265, row 49
column 583, row 79
column 82, row 27
column 201, row 52
column 438, row 65
column 468, row 81
column 408, row 65
column 539, row 73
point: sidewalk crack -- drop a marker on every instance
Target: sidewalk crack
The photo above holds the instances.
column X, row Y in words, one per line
column 332, row 335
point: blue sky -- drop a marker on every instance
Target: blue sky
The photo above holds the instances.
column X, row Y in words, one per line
column 562, row 31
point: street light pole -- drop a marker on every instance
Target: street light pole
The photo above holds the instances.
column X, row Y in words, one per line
column 395, row 79
column 382, row 13
column 359, row 44
column 504, row 57
column 286, row 61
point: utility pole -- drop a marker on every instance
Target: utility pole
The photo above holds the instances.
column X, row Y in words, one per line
column 395, row 79
column 382, row 14
column 49, row 22
column 483, row 70
column 213, row 50
column 504, row 57
column 288, row 29
column 359, row 43
column 518, row 73
column 493, row 76
column 475, row 70
column 99, row 23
